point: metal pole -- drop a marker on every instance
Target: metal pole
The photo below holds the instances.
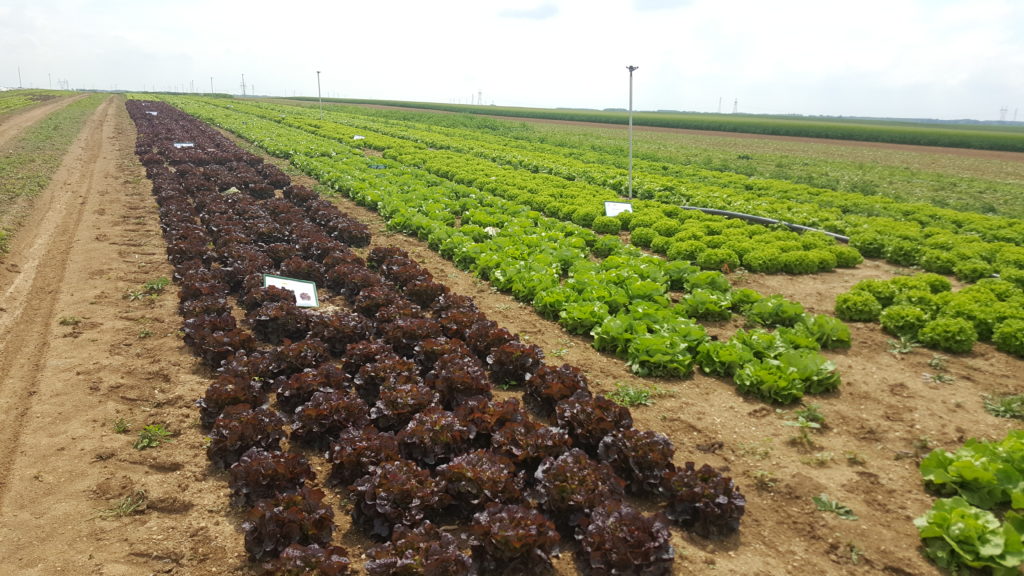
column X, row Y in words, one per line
column 318, row 97
column 211, row 84
column 19, row 77
column 631, row 69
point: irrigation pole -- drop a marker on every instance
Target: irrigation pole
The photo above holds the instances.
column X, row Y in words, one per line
column 631, row 69
column 318, row 97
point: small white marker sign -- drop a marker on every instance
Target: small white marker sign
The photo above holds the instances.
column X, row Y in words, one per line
column 305, row 291
column 615, row 208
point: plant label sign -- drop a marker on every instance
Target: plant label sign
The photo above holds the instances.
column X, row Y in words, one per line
column 305, row 291
column 184, row 144
column 613, row 209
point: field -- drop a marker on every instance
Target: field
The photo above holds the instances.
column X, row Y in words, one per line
column 93, row 348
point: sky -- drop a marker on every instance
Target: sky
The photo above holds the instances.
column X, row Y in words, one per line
column 946, row 59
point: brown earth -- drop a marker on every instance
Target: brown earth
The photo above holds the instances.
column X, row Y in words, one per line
column 75, row 356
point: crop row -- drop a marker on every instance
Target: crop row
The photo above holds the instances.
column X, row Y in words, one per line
column 392, row 382
column 628, row 301
column 970, row 136
column 564, row 188
column 940, row 240
column 923, row 308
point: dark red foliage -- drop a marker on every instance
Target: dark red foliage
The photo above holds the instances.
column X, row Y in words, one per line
column 327, row 414
column 338, row 329
column 590, row 418
column 297, row 390
column 240, row 428
column 458, row 322
column 398, row 403
column 640, row 458
column 254, row 365
column 278, row 321
column 276, row 523
column 299, row 560
column 703, row 500
column 299, row 194
column 386, row 371
column 420, row 551
column 381, row 254
column 343, row 256
column 259, row 474
column 479, row 477
column 356, row 450
column 528, row 442
column 433, row 436
column 514, row 363
column 351, row 279
column 372, row 299
column 405, row 333
column 573, row 484
column 280, row 252
column 550, row 385
column 359, row 354
column 396, row 493
column 485, row 416
column 512, row 539
column 296, row 267
column 485, row 337
column 459, row 376
column 425, row 292
column 430, row 350
column 227, row 390
column 617, row 539
column 209, row 305
column 293, row 357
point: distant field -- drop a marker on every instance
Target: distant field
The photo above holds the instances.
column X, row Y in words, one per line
column 969, row 182
column 981, row 137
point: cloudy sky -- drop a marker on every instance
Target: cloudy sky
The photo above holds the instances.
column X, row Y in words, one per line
column 893, row 58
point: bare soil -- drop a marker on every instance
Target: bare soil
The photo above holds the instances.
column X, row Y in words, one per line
column 75, row 355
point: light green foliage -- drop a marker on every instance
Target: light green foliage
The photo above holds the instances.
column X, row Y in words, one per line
column 857, row 306
column 151, row 436
column 954, row 335
column 959, row 536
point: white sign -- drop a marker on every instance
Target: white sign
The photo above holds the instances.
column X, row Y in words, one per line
column 305, row 291
column 152, row 112
column 615, row 208
column 184, row 144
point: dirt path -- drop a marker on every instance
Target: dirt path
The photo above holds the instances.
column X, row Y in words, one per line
column 75, row 356
column 14, row 124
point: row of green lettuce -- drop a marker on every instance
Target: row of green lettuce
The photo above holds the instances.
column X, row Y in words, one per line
column 923, row 308
column 978, row 525
column 989, row 137
column 712, row 242
column 591, row 284
column 940, row 240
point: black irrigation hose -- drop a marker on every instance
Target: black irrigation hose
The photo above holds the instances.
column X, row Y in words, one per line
column 767, row 221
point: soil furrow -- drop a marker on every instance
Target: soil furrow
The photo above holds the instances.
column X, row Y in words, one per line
column 31, row 297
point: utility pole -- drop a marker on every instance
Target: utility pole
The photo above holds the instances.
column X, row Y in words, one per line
column 19, row 76
column 631, row 70
column 49, row 76
column 318, row 96
column 243, row 84
column 211, row 84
